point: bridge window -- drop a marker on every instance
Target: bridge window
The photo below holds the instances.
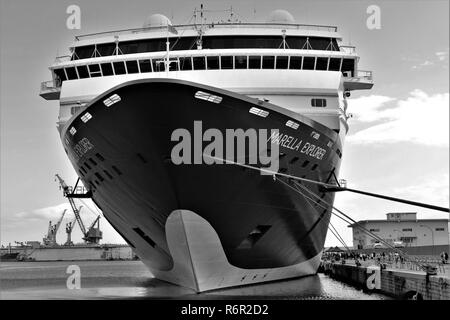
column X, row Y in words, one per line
column 335, row 64
column 107, row 69
column 145, row 66
column 254, row 62
column 295, row 63
column 94, row 70
column 209, row 42
column 185, row 63
column 119, row 67
column 158, row 65
column 308, row 63
column 61, row 74
column 440, row 229
column 106, row 49
column 407, row 229
column 130, row 47
column 240, row 62
column 348, row 67
column 268, row 62
column 320, row 43
column 374, row 230
column 322, row 63
column 71, row 73
column 199, row 63
column 85, row 52
column 174, row 65
column 132, row 66
column 282, row 62
column 212, row 63
column 83, row 72
column 226, row 62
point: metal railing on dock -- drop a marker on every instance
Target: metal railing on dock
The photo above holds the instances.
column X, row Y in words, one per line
column 395, row 262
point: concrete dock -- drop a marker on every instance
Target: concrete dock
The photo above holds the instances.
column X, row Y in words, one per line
column 395, row 282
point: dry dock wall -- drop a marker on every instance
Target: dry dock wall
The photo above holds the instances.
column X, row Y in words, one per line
column 400, row 284
column 78, row 253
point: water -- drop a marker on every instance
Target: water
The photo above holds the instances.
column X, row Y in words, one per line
column 132, row 280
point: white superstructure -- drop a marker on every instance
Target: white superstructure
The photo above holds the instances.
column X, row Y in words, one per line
column 303, row 68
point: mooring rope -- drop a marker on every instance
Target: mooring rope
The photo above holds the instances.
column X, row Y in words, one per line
column 275, row 174
column 331, row 187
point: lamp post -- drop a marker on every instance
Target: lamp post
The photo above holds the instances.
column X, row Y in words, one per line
column 432, row 237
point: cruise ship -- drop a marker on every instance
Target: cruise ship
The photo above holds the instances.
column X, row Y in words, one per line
column 122, row 95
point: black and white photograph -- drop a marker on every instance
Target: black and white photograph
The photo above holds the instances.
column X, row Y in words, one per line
column 224, row 155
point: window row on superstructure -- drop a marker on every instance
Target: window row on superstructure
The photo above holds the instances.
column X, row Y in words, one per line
column 207, row 42
column 345, row 65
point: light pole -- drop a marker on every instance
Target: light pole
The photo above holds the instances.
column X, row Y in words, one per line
column 432, row 237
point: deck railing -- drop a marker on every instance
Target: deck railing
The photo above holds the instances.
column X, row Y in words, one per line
column 348, row 49
column 365, row 74
column 63, row 59
column 49, row 86
column 209, row 26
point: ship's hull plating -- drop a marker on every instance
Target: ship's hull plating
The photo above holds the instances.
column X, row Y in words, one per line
column 123, row 155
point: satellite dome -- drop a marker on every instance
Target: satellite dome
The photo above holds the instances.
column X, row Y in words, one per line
column 157, row 20
column 281, row 16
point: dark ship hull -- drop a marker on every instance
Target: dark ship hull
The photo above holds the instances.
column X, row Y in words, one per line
column 198, row 225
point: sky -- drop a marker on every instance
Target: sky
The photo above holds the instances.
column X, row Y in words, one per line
column 398, row 143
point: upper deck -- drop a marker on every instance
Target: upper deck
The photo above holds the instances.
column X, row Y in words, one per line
column 212, row 29
column 211, row 36
column 213, row 46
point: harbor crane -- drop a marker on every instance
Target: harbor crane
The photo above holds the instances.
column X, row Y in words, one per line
column 50, row 239
column 93, row 235
column 69, row 229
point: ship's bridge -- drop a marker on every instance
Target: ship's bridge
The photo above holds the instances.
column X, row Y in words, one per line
column 159, row 47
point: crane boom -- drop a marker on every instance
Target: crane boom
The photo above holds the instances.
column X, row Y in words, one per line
column 59, row 222
column 67, row 192
column 93, row 223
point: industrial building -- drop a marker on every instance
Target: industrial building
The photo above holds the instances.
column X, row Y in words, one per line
column 403, row 229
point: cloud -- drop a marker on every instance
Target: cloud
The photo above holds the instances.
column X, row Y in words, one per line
column 367, row 108
column 432, row 189
column 421, row 119
column 51, row 213
column 439, row 58
column 442, row 55
column 426, row 63
column 48, row 213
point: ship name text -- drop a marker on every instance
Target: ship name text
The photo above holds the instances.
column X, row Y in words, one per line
column 293, row 143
